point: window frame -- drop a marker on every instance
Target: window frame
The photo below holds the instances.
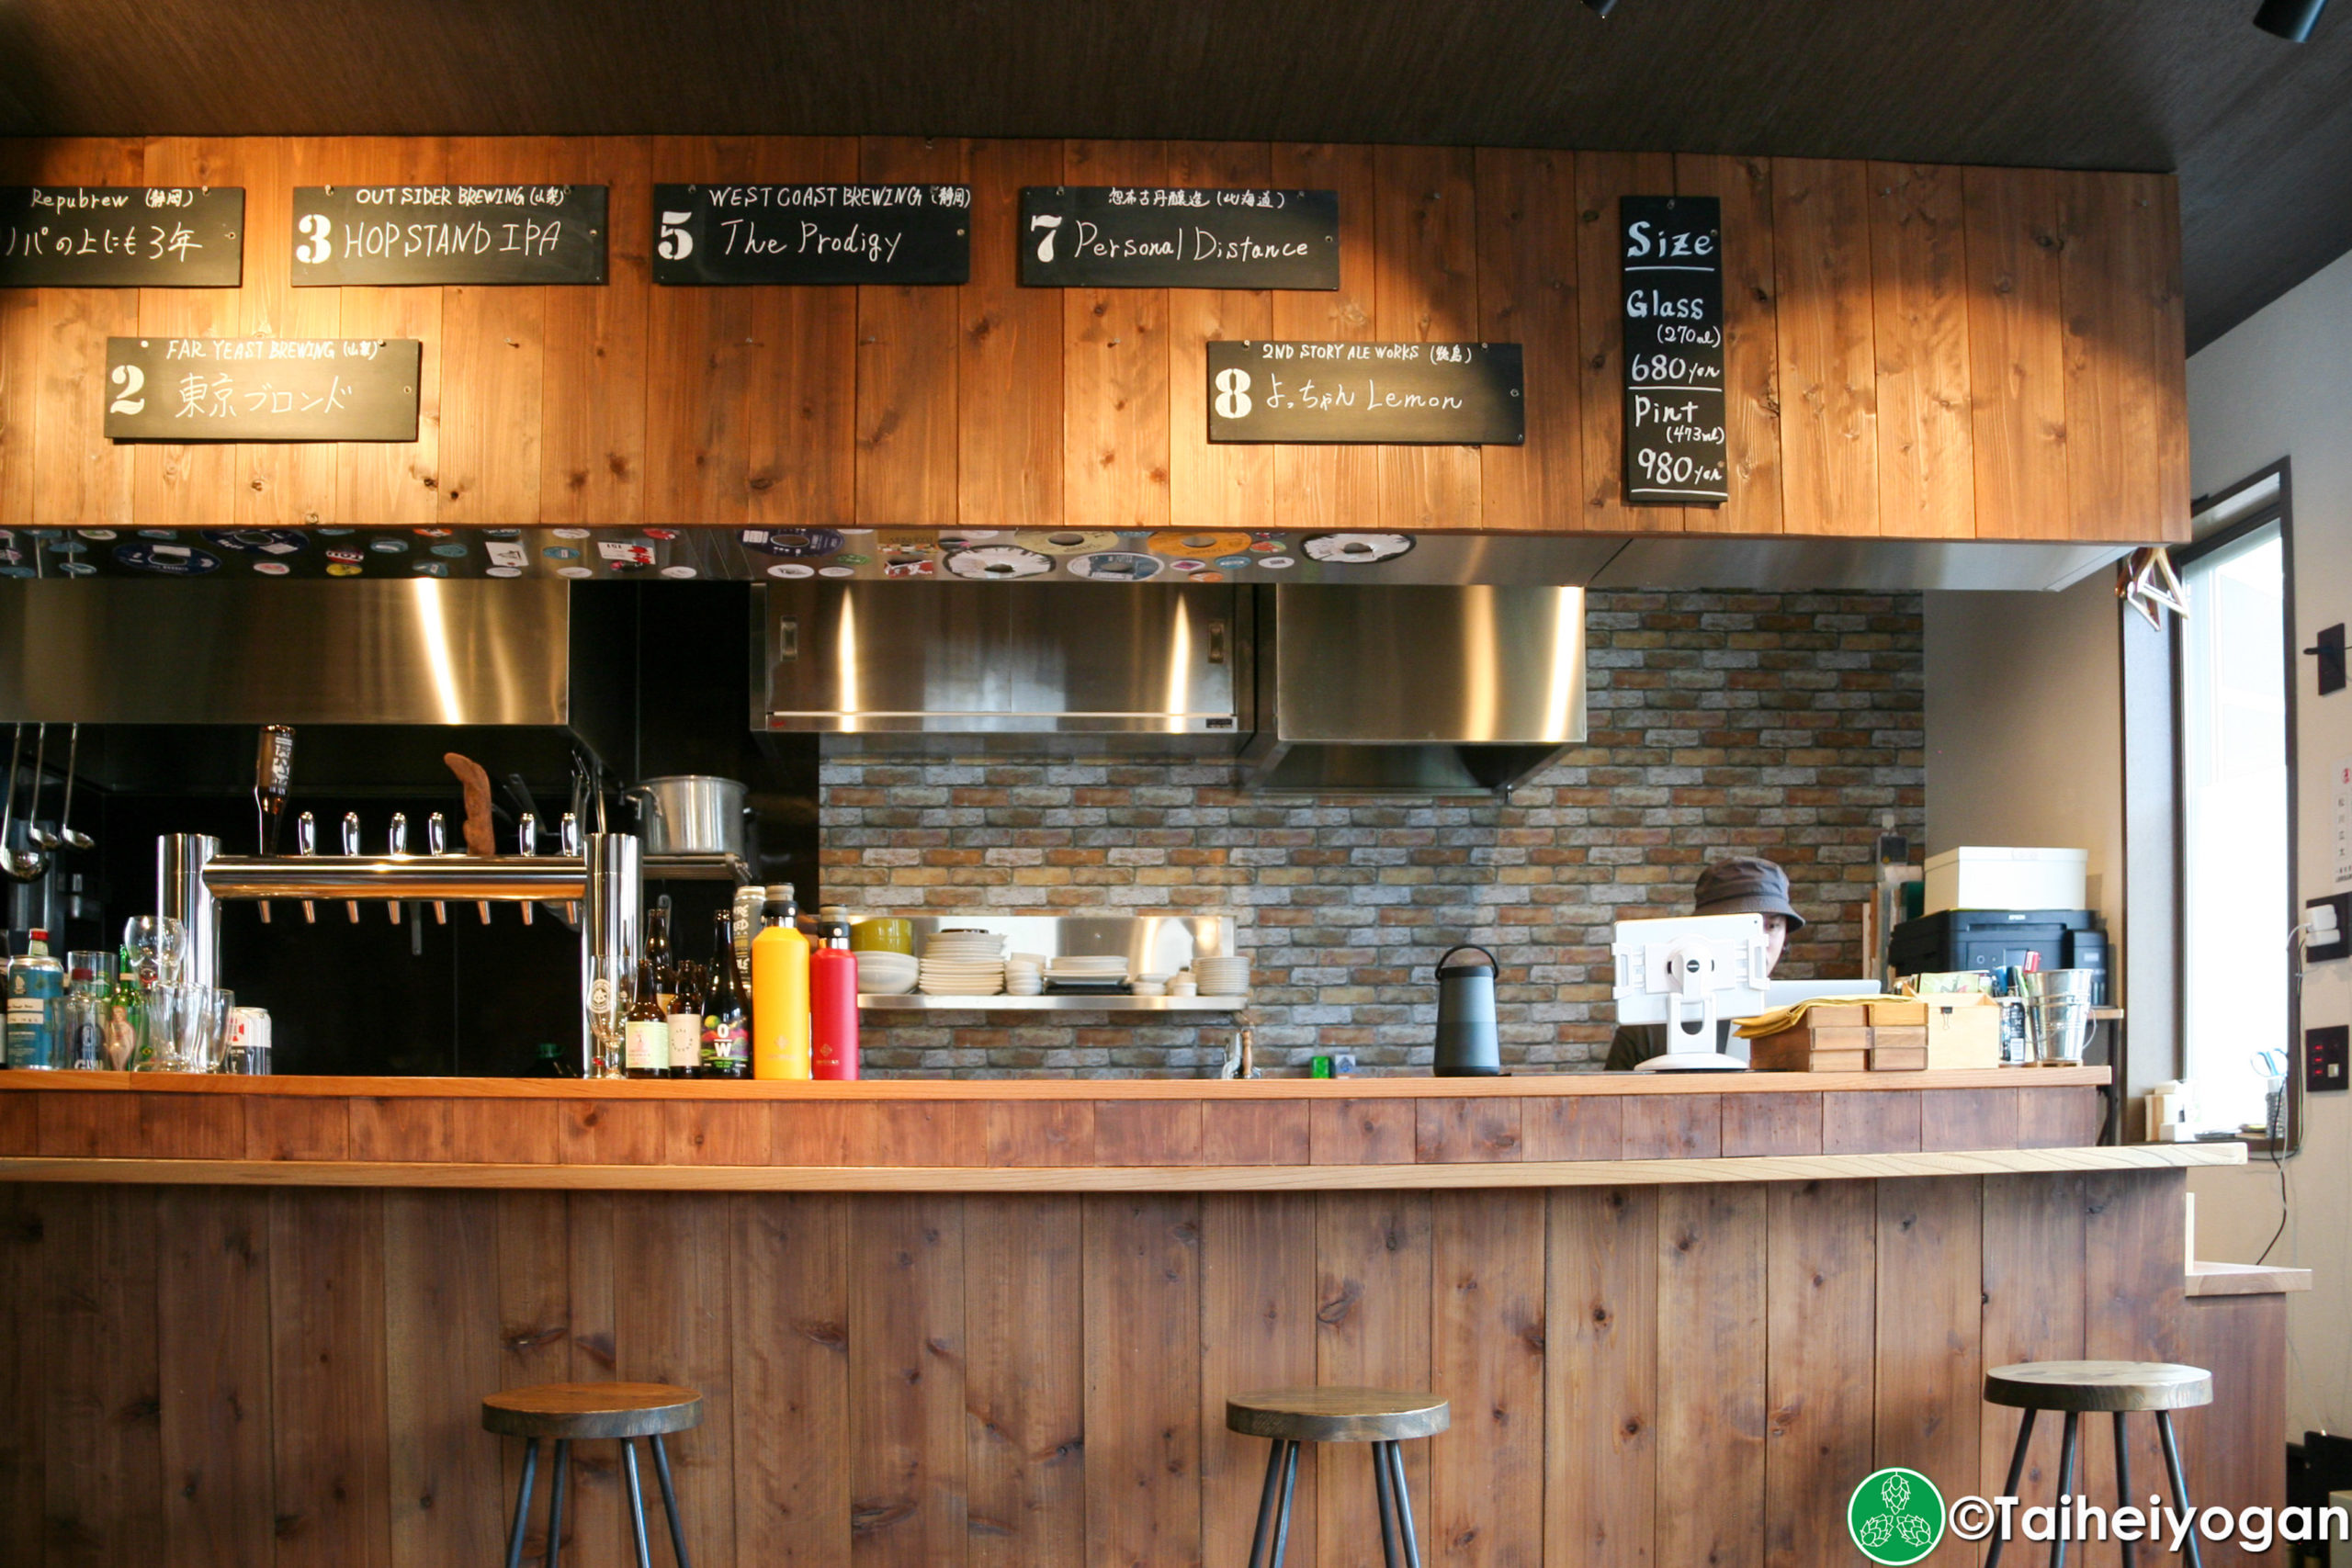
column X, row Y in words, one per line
column 2278, row 511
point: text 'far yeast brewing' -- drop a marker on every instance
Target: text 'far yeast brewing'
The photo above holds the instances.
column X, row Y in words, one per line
column 1672, row 251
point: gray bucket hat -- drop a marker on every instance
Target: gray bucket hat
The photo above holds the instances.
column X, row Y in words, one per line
column 1745, row 885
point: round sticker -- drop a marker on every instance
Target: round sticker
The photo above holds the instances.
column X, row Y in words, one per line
column 560, row 552
column 158, row 533
column 1115, row 566
column 68, row 548
column 791, row 542
column 332, row 533
column 100, row 535
column 12, row 570
column 836, row 571
column 660, row 532
column 1065, row 541
column 1209, row 577
column 574, row 571
column 504, row 571
column 1187, row 565
column 847, row 559
column 501, row 533
column 345, row 555
column 855, row 532
column 1357, row 549
column 1196, row 542
column 450, row 550
column 678, row 572
column 1277, row 563
column 272, row 568
column 571, row 533
column 167, row 560
column 1002, row 562
column 389, row 547
column 792, row 568
column 1265, row 546
column 78, row 569
column 434, row 532
column 429, row 567
column 342, row 568
column 1235, row 563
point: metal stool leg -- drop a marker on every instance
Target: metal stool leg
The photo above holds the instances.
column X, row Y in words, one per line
column 635, row 1503
column 1282, row 1520
column 1383, row 1484
column 554, row 1501
column 2123, row 1483
column 1404, row 1493
column 522, row 1503
column 2066, row 1484
column 669, row 1500
column 1258, row 1541
column 2180, row 1484
column 2017, row 1474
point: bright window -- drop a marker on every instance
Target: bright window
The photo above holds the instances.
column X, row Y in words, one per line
column 2235, row 849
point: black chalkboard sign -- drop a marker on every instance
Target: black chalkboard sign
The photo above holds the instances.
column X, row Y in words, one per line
column 1398, row 393
column 1673, row 254
column 121, row 237
column 261, row 388
column 812, row 233
column 395, row 235
column 1153, row 237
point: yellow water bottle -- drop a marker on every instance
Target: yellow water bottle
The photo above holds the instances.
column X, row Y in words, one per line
column 779, row 990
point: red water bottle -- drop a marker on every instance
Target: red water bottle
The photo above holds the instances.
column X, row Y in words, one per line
column 832, row 1005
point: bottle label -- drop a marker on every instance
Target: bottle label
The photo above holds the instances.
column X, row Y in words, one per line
column 726, row 1042
column 685, row 1041
column 645, row 1043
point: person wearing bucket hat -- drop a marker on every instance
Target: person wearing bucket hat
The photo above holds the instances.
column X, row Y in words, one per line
column 1743, row 884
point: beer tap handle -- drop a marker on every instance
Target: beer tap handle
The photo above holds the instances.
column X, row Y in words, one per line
column 526, row 844
column 437, row 843
column 351, row 847
column 570, row 839
column 306, row 842
column 396, row 842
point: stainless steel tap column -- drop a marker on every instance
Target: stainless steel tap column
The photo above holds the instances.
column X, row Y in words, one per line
column 609, row 917
column 180, row 891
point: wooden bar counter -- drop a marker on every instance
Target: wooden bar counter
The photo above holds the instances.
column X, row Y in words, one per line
column 995, row 1322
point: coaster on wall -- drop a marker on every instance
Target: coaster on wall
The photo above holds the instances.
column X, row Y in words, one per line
column 1065, row 541
column 1114, row 566
column 262, row 541
column 1356, row 550
column 906, row 569
column 1002, row 562
column 1196, row 542
column 791, row 569
column 792, row 543
column 167, row 560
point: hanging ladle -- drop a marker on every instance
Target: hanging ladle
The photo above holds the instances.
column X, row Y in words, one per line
column 25, row 866
column 64, row 837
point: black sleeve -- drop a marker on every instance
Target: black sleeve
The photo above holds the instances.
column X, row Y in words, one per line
column 1633, row 1044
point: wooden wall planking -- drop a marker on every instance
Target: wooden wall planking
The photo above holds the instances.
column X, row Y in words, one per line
column 1637, row 1375
column 1961, row 352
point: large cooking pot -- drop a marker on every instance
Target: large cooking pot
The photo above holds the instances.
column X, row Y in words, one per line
column 691, row 814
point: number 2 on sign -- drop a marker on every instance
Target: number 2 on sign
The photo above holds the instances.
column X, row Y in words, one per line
column 1232, row 394
column 132, row 381
column 315, row 249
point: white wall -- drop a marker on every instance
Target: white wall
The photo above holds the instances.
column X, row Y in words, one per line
column 2025, row 727
column 2281, row 385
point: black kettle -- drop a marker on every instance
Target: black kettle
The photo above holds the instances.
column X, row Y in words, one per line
column 1468, row 1044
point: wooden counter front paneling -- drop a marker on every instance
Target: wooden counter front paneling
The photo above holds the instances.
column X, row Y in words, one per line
column 1941, row 352
column 1662, row 1375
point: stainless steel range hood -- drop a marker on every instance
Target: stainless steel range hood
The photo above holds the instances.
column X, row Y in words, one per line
column 1405, row 690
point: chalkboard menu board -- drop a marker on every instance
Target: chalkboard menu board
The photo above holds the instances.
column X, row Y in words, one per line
column 394, row 235
column 261, row 388
column 1151, row 237
column 1673, row 251
column 1396, row 393
column 812, row 233
column 121, row 237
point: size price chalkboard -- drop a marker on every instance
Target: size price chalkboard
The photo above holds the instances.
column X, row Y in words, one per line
column 121, row 237
column 1396, row 393
column 403, row 235
column 1154, row 237
column 1673, row 253
column 261, row 388
column 812, row 233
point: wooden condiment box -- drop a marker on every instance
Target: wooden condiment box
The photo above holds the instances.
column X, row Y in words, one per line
column 1888, row 1036
column 1964, row 1031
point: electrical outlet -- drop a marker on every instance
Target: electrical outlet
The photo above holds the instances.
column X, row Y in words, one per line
column 2330, row 919
column 2325, row 1059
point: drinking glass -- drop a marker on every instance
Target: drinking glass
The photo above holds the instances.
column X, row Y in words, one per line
column 608, row 989
column 207, row 1027
column 159, row 943
column 165, row 1036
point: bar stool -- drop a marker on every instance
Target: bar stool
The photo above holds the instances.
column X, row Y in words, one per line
column 1381, row 1416
column 2121, row 1387
column 570, row 1411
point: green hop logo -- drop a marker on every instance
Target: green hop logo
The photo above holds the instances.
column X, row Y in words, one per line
column 1897, row 1517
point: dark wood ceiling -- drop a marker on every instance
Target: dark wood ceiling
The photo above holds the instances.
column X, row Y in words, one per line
column 2260, row 130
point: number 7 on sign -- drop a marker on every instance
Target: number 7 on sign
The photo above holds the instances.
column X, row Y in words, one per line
column 1049, row 222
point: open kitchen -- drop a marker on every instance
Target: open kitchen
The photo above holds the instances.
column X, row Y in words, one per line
column 746, row 840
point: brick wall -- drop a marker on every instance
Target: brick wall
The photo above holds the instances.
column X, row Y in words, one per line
column 1780, row 725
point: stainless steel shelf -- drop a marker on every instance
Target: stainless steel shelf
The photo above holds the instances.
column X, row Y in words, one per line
column 916, row 1003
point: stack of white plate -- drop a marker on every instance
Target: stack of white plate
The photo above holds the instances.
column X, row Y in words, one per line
column 1024, row 976
column 1094, row 967
column 963, row 963
column 1223, row 977
column 882, row 974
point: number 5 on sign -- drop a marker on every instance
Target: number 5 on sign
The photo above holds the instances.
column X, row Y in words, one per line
column 675, row 243
column 1232, row 394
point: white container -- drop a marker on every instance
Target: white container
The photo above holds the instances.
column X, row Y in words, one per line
column 1980, row 877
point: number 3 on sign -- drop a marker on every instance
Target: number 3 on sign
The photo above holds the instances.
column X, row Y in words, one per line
column 315, row 249
column 132, row 381
column 1232, row 394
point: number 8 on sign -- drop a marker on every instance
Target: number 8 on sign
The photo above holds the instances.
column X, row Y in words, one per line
column 1232, row 394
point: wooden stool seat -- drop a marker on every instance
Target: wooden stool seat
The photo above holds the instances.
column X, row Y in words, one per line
column 2099, row 1385
column 592, row 1410
column 1338, row 1415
